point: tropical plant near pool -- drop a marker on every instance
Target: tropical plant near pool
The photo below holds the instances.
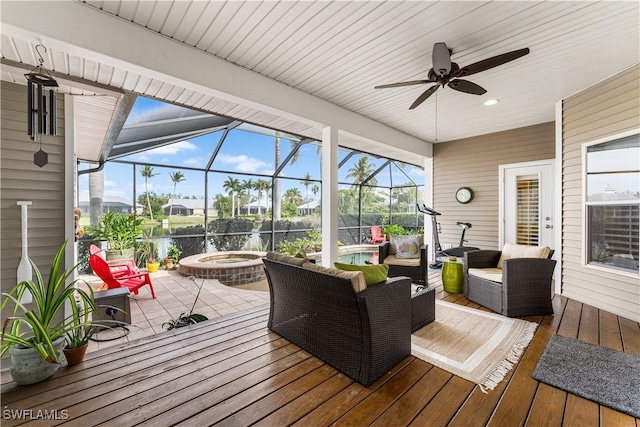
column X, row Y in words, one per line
column 119, row 230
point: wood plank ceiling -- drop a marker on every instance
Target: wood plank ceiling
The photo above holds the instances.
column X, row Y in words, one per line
column 338, row 51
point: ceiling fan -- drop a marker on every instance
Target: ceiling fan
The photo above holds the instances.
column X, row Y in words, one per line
column 445, row 72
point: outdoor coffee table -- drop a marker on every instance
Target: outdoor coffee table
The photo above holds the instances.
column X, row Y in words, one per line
column 423, row 306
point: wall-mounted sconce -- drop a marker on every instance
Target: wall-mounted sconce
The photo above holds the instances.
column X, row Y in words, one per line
column 39, row 108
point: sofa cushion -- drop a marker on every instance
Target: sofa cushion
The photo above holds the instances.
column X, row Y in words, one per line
column 356, row 277
column 522, row 251
column 407, row 262
column 492, row 274
column 374, row 273
column 276, row 256
column 405, row 246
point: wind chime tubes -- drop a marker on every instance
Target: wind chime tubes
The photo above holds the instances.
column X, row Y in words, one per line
column 37, row 102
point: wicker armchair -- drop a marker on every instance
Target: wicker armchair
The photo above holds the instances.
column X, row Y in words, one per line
column 414, row 268
column 361, row 334
column 524, row 289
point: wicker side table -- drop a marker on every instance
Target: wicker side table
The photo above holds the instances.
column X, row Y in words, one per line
column 423, row 307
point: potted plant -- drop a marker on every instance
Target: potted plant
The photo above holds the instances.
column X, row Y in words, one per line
column 173, row 254
column 189, row 318
column 34, row 336
column 120, row 231
column 148, row 250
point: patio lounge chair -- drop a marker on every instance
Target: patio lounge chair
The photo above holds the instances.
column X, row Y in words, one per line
column 416, row 268
column 130, row 280
column 377, row 236
column 514, row 282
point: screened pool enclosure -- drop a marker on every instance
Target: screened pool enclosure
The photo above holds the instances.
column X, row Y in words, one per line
column 207, row 183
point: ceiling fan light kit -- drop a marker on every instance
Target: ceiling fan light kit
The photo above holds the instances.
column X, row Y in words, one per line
column 447, row 73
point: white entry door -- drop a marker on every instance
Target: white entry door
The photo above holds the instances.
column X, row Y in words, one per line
column 527, row 209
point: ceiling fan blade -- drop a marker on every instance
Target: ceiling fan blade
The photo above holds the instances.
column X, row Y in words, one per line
column 426, row 94
column 467, row 87
column 409, row 83
column 488, row 63
column 441, row 59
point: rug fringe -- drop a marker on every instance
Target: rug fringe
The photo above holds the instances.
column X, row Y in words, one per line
column 497, row 375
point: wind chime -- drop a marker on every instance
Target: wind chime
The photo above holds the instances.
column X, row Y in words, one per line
column 40, row 119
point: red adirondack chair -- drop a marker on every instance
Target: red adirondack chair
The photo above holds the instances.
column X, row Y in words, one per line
column 118, row 266
column 119, row 279
column 377, row 236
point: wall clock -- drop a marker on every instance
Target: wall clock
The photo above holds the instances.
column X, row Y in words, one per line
column 464, row 195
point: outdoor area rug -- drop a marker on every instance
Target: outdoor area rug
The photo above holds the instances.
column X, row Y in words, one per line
column 603, row 375
column 473, row 344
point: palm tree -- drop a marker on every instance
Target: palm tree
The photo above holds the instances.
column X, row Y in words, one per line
column 176, row 177
column 231, row 185
column 307, row 182
column 147, row 173
column 262, row 185
column 248, row 184
column 315, row 190
column 276, row 181
column 361, row 171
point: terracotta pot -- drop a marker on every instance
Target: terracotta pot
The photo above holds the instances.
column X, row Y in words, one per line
column 75, row 355
column 169, row 264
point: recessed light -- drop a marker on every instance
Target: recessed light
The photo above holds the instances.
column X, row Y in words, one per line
column 491, row 102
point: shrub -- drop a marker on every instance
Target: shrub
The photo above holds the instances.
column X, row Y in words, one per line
column 194, row 244
column 230, row 234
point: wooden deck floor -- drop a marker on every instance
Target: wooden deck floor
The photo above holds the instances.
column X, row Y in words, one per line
column 233, row 371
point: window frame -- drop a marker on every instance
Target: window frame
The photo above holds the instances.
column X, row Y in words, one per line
column 586, row 204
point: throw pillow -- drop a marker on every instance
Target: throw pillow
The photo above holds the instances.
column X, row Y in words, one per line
column 511, row 250
column 406, row 246
column 374, row 273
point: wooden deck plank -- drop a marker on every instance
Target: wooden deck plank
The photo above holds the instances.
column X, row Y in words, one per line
column 219, row 411
column 630, row 332
column 260, row 409
column 548, row 407
column 409, row 405
column 171, row 388
column 209, row 396
column 306, row 402
column 610, row 331
column 336, row 406
column 365, row 412
column 441, row 409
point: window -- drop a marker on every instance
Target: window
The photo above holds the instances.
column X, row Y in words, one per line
column 613, row 203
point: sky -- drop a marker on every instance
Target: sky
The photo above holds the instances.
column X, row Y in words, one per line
column 242, row 153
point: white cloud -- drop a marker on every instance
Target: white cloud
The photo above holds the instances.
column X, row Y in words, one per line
column 173, row 148
column 109, row 183
column 243, row 163
column 194, row 161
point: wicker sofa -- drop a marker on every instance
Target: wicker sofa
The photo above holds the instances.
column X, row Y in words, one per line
column 514, row 282
column 361, row 334
column 416, row 268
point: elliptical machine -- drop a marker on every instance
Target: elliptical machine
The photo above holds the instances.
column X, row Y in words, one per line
column 439, row 252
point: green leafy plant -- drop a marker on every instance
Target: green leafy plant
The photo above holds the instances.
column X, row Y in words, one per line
column 190, row 318
column 119, row 230
column 174, row 253
column 394, row 229
column 148, row 249
column 37, row 327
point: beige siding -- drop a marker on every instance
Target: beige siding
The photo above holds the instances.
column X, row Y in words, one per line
column 21, row 179
column 474, row 162
column 607, row 109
